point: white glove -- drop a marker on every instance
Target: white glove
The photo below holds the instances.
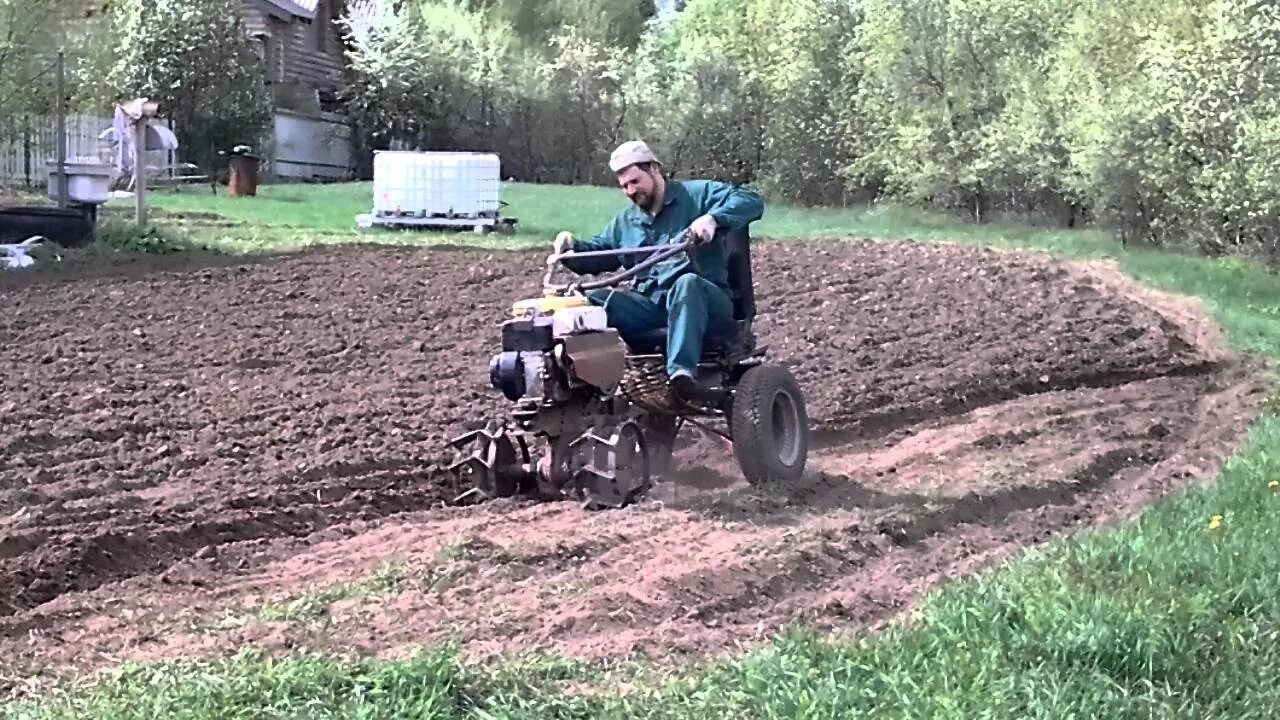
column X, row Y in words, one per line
column 703, row 229
column 563, row 244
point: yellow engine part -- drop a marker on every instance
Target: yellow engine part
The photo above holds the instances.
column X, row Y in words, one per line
column 547, row 305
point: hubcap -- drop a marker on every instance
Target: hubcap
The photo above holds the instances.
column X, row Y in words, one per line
column 785, row 423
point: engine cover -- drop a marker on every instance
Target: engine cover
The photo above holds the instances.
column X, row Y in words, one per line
column 595, row 358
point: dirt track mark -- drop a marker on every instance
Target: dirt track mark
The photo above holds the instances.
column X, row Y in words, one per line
column 962, row 397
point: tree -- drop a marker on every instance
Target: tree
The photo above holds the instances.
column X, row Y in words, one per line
column 28, row 47
column 195, row 58
column 618, row 23
column 1171, row 113
column 428, row 73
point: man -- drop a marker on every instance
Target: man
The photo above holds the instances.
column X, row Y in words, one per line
column 691, row 300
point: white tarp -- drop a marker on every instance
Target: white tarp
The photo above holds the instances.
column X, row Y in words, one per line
column 16, row 256
column 158, row 137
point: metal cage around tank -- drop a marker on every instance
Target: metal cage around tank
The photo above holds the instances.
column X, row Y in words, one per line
column 435, row 189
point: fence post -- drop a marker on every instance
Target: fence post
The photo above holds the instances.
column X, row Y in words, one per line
column 62, row 130
column 149, row 110
column 140, row 170
column 26, row 149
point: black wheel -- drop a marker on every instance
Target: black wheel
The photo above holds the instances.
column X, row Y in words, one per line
column 769, row 425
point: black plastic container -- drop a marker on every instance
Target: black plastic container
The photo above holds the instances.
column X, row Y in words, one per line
column 71, row 227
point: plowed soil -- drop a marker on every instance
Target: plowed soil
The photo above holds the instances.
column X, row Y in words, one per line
column 197, row 455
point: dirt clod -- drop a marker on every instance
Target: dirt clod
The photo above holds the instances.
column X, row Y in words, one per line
column 187, row 439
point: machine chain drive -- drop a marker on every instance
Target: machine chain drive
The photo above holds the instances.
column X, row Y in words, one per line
column 644, row 383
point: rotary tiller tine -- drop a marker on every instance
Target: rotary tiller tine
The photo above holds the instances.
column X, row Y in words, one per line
column 467, row 438
column 473, row 492
column 475, row 459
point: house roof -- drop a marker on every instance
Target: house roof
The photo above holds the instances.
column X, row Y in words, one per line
column 301, row 8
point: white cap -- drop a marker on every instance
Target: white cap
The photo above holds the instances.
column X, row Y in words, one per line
column 631, row 153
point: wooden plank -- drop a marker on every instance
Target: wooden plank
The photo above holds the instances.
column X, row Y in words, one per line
column 319, row 68
column 255, row 21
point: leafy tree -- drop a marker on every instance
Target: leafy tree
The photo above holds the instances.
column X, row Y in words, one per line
column 1171, row 114
column 29, row 37
column 949, row 102
column 430, row 74
column 742, row 90
column 194, row 57
column 618, row 23
column 583, row 90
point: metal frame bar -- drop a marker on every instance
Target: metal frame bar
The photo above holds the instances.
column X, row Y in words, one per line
column 428, row 221
column 657, row 253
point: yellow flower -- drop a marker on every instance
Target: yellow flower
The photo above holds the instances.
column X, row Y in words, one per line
column 1215, row 522
column 1274, row 484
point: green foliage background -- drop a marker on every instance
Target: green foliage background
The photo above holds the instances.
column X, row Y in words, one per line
column 1158, row 120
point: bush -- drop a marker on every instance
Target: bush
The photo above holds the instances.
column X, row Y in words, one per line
column 121, row 236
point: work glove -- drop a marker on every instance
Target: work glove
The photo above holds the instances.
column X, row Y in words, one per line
column 562, row 244
column 702, row 229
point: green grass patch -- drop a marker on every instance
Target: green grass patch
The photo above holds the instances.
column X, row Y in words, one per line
column 289, row 216
column 1174, row 614
column 386, row 579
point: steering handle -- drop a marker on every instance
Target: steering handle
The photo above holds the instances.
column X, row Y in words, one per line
column 657, row 253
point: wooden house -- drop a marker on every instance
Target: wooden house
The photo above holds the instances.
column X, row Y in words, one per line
column 301, row 46
column 299, row 41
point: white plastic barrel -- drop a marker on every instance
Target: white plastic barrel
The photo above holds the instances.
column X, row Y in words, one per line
column 436, row 184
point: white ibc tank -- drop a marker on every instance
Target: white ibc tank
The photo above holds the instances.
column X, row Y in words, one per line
column 426, row 184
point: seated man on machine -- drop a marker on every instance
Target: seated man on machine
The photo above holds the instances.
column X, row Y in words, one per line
column 692, row 300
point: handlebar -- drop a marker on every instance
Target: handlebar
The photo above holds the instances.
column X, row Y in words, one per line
column 657, row 253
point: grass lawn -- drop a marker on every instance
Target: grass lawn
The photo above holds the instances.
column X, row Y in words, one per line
column 1165, row 616
column 288, row 216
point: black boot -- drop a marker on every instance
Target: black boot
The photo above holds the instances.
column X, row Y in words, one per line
column 695, row 393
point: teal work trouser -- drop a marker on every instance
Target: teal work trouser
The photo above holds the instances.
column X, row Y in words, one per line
column 694, row 309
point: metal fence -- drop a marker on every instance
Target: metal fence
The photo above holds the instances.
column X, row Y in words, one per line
column 29, row 147
column 45, row 133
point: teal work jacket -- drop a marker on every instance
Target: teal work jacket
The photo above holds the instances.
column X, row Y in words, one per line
column 685, row 201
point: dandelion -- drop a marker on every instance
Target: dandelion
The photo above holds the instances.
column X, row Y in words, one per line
column 1274, row 485
column 1215, row 522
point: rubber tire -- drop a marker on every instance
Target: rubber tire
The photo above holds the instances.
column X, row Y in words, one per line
column 751, row 425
